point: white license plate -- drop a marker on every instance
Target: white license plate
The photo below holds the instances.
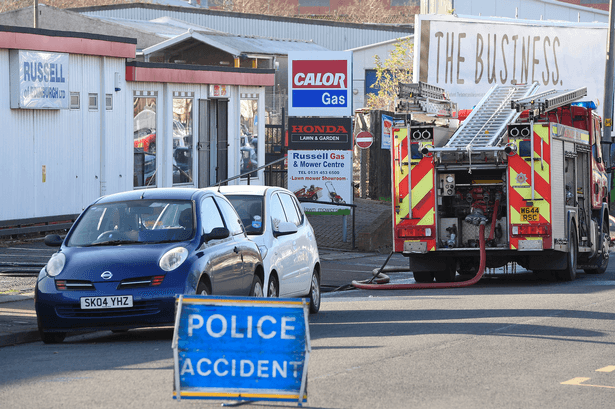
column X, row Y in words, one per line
column 120, row 301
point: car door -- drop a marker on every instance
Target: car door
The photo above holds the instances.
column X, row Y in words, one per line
column 298, row 274
column 244, row 271
column 282, row 257
column 224, row 267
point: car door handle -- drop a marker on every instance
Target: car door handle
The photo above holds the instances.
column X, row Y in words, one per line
column 236, row 249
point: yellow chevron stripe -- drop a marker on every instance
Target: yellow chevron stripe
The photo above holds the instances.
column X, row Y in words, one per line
column 428, row 219
column 422, row 188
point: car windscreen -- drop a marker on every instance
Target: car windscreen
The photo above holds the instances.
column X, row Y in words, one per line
column 134, row 222
column 250, row 211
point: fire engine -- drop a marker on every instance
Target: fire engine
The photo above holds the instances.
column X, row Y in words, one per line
column 525, row 164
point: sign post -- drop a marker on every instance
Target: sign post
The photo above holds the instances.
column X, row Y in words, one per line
column 241, row 348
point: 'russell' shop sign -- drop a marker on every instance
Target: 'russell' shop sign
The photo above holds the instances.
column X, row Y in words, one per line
column 39, row 80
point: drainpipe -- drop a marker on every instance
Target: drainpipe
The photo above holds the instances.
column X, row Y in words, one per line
column 102, row 105
column 35, row 13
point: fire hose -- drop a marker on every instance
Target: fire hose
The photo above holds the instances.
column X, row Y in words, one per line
column 481, row 269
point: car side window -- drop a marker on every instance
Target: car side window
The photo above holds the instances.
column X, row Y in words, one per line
column 276, row 211
column 289, row 208
column 210, row 215
column 233, row 222
column 299, row 208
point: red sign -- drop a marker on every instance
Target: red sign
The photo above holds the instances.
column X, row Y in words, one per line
column 319, row 74
column 364, row 140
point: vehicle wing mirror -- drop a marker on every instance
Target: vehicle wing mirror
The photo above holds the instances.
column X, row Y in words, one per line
column 217, row 233
column 53, row 240
column 285, row 228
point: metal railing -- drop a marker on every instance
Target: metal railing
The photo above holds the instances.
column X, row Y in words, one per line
column 252, row 173
column 36, row 224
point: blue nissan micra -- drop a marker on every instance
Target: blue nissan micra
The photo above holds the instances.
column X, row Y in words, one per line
column 128, row 255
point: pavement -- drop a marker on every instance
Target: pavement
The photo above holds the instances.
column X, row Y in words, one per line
column 21, row 260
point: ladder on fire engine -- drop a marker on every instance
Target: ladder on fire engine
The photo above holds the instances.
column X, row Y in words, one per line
column 487, row 122
column 546, row 101
column 423, row 98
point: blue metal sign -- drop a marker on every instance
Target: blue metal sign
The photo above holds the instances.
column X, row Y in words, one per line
column 241, row 348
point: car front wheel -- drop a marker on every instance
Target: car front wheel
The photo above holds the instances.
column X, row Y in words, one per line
column 315, row 293
column 50, row 337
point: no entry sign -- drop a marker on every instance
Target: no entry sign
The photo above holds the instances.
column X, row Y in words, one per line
column 364, row 140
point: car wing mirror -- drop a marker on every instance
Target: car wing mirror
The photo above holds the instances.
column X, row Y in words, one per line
column 53, row 240
column 217, row 233
column 285, row 228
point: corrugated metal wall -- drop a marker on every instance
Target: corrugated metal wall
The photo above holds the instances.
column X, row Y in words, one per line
column 50, row 159
column 334, row 36
column 523, row 9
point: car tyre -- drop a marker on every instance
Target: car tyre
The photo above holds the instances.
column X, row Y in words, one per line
column 257, row 287
column 50, row 337
column 315, row 293
column 203, row 289
column 273, row 289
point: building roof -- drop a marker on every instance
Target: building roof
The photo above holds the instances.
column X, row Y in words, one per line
column 237, row 45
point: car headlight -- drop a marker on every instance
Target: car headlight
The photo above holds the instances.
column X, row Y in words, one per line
column 55, row 265
column 263, row 249
column 173, row 258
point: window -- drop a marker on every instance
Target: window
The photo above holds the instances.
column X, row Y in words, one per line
column 277, row 212
column 93, row 102
column 75, row 100
column 230, row 215
column 289, row 208
column 109, row 102
column 249, row 135
column 210, row 215
column 144, row 125
column 183, row 145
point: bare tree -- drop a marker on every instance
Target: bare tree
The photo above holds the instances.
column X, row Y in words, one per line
column 395, row 69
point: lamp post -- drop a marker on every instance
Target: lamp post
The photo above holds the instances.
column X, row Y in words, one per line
column 608, row 96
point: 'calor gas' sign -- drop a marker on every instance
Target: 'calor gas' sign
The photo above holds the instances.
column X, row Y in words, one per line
column 320, row 83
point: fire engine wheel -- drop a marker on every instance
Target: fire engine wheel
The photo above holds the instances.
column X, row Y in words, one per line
column 570, row 272
column 602, row 260
column 423, row 276
column 446, row 276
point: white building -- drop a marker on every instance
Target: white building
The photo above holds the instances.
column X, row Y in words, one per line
column 80, row 122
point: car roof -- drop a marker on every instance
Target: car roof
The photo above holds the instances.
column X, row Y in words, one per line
column 170, row 193
column 247, row 189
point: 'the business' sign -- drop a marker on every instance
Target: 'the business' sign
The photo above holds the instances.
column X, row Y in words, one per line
column 241, row 348
column 320, row 83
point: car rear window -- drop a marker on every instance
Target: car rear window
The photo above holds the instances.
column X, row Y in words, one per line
column 136, row 222
column 250, row 211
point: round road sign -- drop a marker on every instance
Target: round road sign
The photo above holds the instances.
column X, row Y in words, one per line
column 364, row 140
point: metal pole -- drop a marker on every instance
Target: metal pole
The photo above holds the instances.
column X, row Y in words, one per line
column 35, row 13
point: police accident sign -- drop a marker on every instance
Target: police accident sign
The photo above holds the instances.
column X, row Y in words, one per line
column 241, row 348
column 319, row 83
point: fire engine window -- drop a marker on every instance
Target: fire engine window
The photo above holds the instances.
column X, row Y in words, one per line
column 525, row 149
column 248, row 151
column 415, row 153
column 183, row 145
column 144, row 126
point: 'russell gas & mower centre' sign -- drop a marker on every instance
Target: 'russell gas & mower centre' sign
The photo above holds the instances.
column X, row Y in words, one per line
column 241, row 348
